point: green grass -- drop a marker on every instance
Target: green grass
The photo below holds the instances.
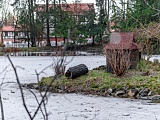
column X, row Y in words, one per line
column 99, row 80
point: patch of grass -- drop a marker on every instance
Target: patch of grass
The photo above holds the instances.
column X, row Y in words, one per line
column 144, row 65
column 99, row 80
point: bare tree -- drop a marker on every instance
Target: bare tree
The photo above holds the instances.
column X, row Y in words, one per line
column 118, row 58
column 147, row 36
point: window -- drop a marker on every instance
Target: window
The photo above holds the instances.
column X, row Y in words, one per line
column 5, row 33
column 10, row 34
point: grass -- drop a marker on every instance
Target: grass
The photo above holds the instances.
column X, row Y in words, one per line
column 100, row 81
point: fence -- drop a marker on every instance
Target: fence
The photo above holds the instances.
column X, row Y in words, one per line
column 16, row 45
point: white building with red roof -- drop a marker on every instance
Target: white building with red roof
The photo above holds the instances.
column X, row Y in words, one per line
column 10, row 34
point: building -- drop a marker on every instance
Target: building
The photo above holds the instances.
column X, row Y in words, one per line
column 122, row 42
column 76, row 10
column 11, row 36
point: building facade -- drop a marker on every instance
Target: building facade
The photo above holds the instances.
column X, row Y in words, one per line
column 12, row 37
column 76, row 11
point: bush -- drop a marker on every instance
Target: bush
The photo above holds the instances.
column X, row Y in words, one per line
column 142, row 65
column 155, row 62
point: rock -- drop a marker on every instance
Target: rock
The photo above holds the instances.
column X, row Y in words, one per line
column 156, row 99
column 114, row 90
column 133, row 92
column 71, row 89
column 123, row 88
column 44, row 88
column 151, row 93
column 103, row 90
column 61, row 91
column 32, row 86
column 144, row 92
column 109, row 91
column 102, row 67
column 144, row 98
column 120, row 93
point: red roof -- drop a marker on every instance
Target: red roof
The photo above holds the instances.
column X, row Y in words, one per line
column 59, row 39
column 77, row 8
column 7, row 28
column 122, row 40
column 10, row 28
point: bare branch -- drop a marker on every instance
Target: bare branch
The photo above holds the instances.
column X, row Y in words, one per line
column 45, row 95
column 119, row 59
column 1, row 104
column 19, row 85
column 42, row 71
column 37, row 103
column 44, row 105
column 59, row 69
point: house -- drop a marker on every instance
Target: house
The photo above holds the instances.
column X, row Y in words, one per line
column 122, row 42
column 76, row 10
column 11, row 35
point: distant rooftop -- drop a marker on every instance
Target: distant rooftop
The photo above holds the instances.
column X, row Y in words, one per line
column 78, row 8
column 7, row 28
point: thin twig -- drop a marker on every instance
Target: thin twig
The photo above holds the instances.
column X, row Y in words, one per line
column 44, row 105
column 19, row 85
column 44, row 96
column 58, row 65
column 2, row 109
column 37, row 103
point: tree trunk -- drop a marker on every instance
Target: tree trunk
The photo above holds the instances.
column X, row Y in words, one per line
column 93, row 41
column 32, row 29
column 47, row 22
column 56, row 40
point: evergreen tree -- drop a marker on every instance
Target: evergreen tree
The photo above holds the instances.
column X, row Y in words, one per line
column 133, row 13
